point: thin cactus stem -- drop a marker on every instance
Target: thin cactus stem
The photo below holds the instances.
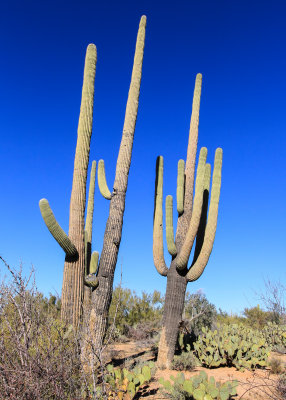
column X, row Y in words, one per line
column 169, row 226
column 158, row 247
column 180, row 186
column 102, row 181
column 59, row 235
column 197, row 269
column 94, row 262
column 184, row 254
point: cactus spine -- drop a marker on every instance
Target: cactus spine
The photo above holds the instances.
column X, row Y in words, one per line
column 74, row 243
column 192, row 224
column 101, row 297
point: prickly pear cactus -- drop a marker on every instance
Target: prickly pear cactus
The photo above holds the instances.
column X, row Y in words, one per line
column 232, row 345
column 275, row 335
column 198, row 387
column 125, row 384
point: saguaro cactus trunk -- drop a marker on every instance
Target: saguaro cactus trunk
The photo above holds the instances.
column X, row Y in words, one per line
column 74, row 244
column 192, row 212
column 112, row 237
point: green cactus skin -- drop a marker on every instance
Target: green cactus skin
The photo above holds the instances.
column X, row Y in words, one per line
column 94, row 262
column 180, row 186
column 232, row 345
column 101, row 298
column 183, row 257
column 73, row 285
column 55, row 229
column 194, row 224
column 169, row 226
column 198, row 387
column 90, row 203
column 198, row 268
column 158, row 249
column 102, row 181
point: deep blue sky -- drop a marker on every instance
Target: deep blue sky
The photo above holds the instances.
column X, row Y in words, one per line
column 238, row 46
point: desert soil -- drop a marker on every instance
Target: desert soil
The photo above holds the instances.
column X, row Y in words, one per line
column 253, row 385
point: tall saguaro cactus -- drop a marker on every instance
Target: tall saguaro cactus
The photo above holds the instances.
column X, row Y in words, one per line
column 74, row 243
column 193, row 223
column 101, row 297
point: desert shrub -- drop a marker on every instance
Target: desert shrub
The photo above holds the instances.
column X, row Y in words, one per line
column 185, row 361
column 39, row 355
column 232, row 345
column 199, row 312
column 276, row 366
column 130, row 310
column 198, row 387
column 142, row 331
column 256, row 318
column 223, row 318
column 281, row 386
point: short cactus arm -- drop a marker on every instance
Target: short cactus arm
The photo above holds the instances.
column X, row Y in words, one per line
column 183, row 256
column 102, row 181
column 180, row 186
column 158, row 249
column 169, row 226
column 197, row 269
column 55, row 229
column 91, row 280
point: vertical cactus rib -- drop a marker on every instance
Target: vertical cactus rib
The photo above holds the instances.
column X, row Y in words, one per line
column 94, row 262
column 101, row 178
column 184, row 254
column 192, row 148
column 90, row 203
column 125, row 150
column 59, row 235
column 169, row 226
column 203, row 221
column 180, row 186
column 158, row 246
column 197, row 269
column 72, row 293
column 101, row 298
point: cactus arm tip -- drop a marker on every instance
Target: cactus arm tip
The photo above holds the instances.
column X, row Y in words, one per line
column 184, row 254
column 103, row 188
column 169, row 226
column 199, row 265
column 158, row 248
column 59, row 235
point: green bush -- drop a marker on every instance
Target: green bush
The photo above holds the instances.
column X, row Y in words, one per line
column 198, row 387
column 185, row 361
column 232, row 345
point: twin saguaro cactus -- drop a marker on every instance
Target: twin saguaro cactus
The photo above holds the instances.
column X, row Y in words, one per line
column 74, row 244
column 193, row 223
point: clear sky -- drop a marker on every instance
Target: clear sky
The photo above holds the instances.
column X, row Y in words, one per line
column 238, row 46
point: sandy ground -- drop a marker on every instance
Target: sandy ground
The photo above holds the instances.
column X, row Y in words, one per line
column 258, row 384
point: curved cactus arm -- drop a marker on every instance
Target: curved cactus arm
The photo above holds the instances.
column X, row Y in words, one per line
column 180, row 186
column 198, row 268
column 102, row 181
column 55, row 229
column 91, row 280
column 169, row 226
column 158, row 248
column 184, row 254
column 203, row 221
